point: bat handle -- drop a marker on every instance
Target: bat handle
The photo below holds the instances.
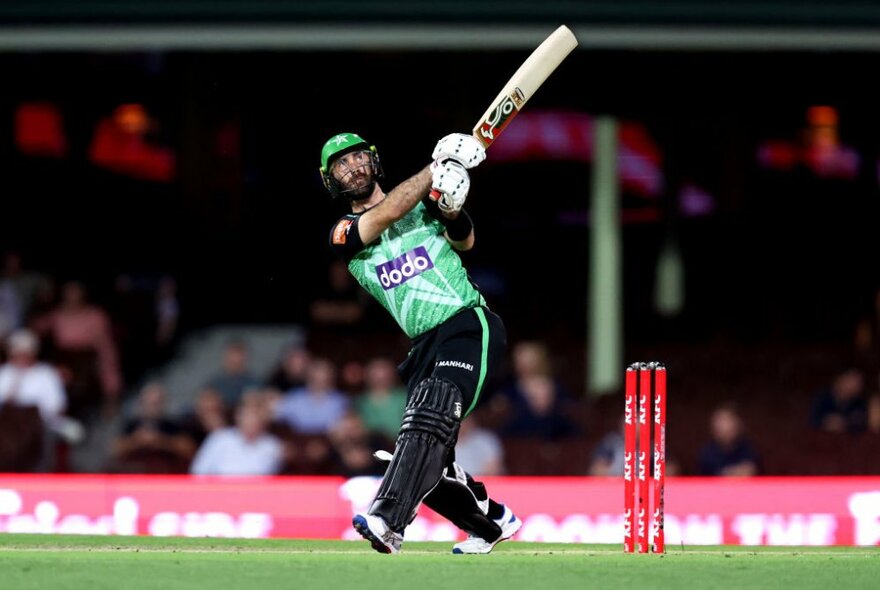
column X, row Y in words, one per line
column 435, row 194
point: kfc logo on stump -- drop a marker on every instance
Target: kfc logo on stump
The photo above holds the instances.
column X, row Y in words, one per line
column 398, row 271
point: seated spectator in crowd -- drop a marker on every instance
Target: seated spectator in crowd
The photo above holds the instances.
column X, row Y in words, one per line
column 27, row 382
column 291, row 371
column 843, row 405
column 353, row 445
column 244, row 449
column 352, row 378
column 207, row 415
column 540, row 411
column 608, row 457
column 381, row 405
column 479, row 451
column 315, row 407
column 81, row 338
column 530, row 359
column 234, row 377
column 152, row 441
column 729, row 452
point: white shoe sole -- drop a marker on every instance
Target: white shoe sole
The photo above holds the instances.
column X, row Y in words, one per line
column 506, row 533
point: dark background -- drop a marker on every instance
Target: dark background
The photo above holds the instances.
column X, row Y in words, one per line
column 248, row 218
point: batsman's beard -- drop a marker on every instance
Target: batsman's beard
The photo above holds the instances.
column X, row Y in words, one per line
column 359, row 185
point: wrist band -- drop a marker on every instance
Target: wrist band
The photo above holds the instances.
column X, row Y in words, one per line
column 459, row 228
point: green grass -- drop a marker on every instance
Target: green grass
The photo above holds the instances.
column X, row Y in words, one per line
column 141, row 563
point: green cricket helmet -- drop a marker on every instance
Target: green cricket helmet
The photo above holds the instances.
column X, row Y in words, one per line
column 336, row 147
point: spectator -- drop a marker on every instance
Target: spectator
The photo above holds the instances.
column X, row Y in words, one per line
column 353, row 445
column 381, row 405
column 729, row 451
column 843, row 405
column 26, row 382
column 479, row 451
column 29, row 382
column 530, row 359
column 315, row 407
column 291, row 371
column 608, row 456
column 235, row 377
column 151, row 441
column 245, row 449
column 207, row 415
column 82, row 342
column 352, row 378
column 539, row 411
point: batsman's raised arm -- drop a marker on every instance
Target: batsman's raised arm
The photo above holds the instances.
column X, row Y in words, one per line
column 397, row 203
column 350, row 168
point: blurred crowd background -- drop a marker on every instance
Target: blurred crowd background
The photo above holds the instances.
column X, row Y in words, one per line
column 168, row 302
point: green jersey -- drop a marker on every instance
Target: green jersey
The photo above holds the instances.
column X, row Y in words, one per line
column 411, row 269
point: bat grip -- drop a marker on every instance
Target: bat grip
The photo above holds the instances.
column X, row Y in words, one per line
column 434, row 194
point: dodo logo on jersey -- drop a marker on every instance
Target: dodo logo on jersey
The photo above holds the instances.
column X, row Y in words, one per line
column 403, row 268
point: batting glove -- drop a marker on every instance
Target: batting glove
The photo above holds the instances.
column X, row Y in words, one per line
column 450, row 185
column 464, row 149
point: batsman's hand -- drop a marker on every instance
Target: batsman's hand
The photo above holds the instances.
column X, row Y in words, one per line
column 450, row 185
column 464, row 149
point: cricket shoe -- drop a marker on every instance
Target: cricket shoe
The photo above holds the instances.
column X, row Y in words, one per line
column 373, row 529
column 509, row 524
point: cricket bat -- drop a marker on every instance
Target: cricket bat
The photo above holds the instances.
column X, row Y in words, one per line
column 523, row 84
